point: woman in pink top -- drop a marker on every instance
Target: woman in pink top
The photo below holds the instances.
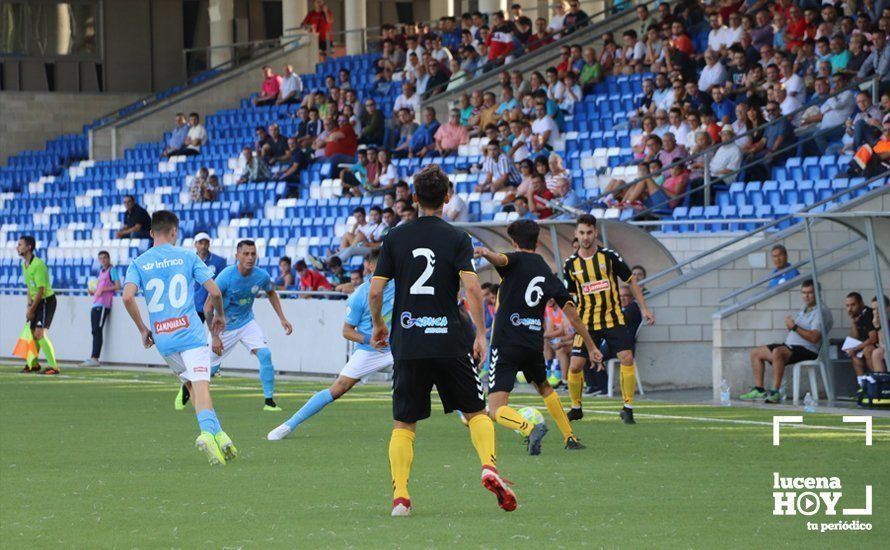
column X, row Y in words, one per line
column 107, row 284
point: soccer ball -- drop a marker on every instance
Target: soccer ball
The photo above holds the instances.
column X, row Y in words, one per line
column 531, row 414
column 520, row 377
column 92, row 284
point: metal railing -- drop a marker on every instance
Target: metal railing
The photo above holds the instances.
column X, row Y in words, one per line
column 872, row 81
column 684, row 278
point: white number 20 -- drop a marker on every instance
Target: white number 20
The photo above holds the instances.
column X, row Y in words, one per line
column 419, row 287
column 177, row 294
column 534, row 292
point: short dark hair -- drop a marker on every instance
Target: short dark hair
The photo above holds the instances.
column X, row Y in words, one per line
column 335, row 261
column 359, row 209
column 886, row 300
column 196, row 115
column 245, row 242
column 373, row 256
column 103, row 253
column 586, row 219
column 856, row 296
column 641, row 268
column 285, row 259
column 376, row 208
column 29, row 240
column 485, row 286
column 521, row 198
column 809, row 283
column 164, row 221
column 131, row 197
column 301, row 265
column 388, row 210
column 524, row 233
column 402, row 183
column 431, row 186
column 780, row 247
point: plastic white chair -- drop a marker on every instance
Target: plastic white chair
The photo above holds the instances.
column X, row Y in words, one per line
column 811, row 368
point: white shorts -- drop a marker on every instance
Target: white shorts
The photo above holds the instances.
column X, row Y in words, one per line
column 191, row 365
column 250, row 335
column 363, row 362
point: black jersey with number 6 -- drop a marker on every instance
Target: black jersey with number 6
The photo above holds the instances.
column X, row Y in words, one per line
column 528, row 283
column 425, row 258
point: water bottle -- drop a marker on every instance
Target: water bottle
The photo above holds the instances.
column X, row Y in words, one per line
column 809, row 404
column 724, row 394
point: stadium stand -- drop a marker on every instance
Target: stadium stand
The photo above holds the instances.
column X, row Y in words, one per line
column 73, row 205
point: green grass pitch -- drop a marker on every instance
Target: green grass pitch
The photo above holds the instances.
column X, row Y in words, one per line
column 100, row 459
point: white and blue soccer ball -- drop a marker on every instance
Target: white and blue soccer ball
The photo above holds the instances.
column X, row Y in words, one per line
column 532, row 415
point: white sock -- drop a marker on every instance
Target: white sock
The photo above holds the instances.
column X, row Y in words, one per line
column 861, row 380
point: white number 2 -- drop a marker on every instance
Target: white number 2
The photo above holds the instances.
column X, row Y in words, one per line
column 534, row 292
column 419, row 287
column 177, row 295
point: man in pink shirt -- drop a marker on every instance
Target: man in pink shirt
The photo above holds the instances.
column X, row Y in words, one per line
column 271, row 88
column 451, row 135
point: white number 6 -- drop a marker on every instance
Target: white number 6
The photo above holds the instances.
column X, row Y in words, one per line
column 534, row 293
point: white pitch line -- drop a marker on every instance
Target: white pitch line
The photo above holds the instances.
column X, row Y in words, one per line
column 737, row 421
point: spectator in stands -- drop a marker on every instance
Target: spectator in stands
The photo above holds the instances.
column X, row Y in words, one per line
column 498, row 171
column 311, row 280
column 544, row 128
column 828, row 124
column 319, row 20
column 387, row 174
column 591, row 71
column 291, row 90
column 341, row 143
column 455, row 210
column 271, row 88
column 779, row 256
column 865, row 127
column 722, row 107
column 862, row 328
column 354, row 178
column 255, row 168
column 107, row 283
column 137, row 222
column 286, row 279
column 632, row 54
column 878, row 61
column 539, row 198
column 728, row 159
column 277, row 146
column 336, row 275
column 309, row 127
column 297, row 161
column 372, row 123
column 520, row 206
column 408, row 100
column 422, row 140
column 576, row 18
column 713, row 73
column 408, row 214
column 438, row 79
column 451, row 135
column 558, row 179
column 204, row 187
column 176, row 141
column 805, row 333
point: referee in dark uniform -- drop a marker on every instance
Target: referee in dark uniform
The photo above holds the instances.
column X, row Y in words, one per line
column 428, row 259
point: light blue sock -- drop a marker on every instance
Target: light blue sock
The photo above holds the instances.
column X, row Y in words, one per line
column 267, row 372
column 315, row 404
column 208, row 421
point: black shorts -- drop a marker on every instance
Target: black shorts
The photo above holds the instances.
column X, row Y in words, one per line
column 455, row 379
column 506, row 362
column 798, row 353
column 43, row 316
column 617, row 338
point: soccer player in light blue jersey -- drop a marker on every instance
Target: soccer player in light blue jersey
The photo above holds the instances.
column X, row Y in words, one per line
column 240, row 284
column 167, row 275
column 365, row 360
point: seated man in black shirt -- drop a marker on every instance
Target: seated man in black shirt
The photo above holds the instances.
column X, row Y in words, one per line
column 297, row 161
column 278, row 146
column 137, row 222
column 597, row 379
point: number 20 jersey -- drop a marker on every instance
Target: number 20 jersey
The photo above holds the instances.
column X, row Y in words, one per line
column 528, row 283
column 425, row 258
column 167, row 275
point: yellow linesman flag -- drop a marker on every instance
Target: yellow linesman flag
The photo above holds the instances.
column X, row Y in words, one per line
column 26, row 347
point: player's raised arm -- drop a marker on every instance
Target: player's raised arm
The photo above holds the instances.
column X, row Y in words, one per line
column 494, row 258
column 129, row 299
column 276, row 305
column 571, row 314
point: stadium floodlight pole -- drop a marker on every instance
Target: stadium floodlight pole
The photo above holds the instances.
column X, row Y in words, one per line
column 879, row 286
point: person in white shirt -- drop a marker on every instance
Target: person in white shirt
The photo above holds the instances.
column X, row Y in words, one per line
column 196, row 137
column 572, row 93
column 791, row 81
column 291, row 87
column 632, row 54
column 455, row 210
column 718, row 34
column 677, row 125
column 555, row 88
column 661, row 123
column 833, row 113
column 408, row 99
column 557, row 22
column 521, row 146
column 734, row 32
column 713, row 73
column 728, row 158
column 788, row 104
column 412, row 47
column 544, row 126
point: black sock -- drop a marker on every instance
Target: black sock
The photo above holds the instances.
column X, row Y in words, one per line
column 185, row 394
column 759, row 388
column 270, row 402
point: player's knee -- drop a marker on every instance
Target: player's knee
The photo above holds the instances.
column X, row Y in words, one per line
column 626, row 357
column 37, row 333
column 264, row 355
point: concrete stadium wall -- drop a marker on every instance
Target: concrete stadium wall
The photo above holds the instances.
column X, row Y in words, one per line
column 736, row 334
column 315, row 347
column 222, row 92
column 678, row 352
column 29, row 119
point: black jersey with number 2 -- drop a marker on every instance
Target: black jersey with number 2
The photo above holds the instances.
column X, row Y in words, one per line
column 425, row 258
column 528, row 283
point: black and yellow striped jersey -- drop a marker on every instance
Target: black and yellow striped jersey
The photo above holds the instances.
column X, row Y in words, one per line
column 593, row 283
